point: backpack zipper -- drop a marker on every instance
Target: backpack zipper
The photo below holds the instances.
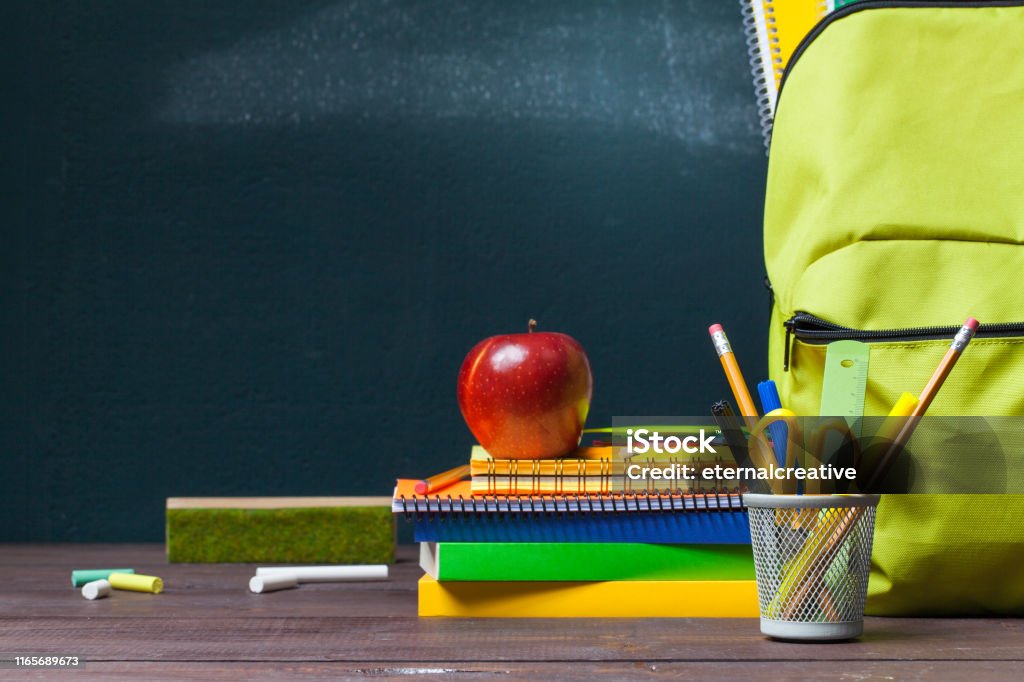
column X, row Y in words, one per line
column 814, row 330
column 855, row 7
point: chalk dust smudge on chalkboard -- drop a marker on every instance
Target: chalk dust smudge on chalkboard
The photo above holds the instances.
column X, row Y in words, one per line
column 653, row 66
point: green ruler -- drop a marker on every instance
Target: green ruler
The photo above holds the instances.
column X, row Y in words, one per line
column 846, row 381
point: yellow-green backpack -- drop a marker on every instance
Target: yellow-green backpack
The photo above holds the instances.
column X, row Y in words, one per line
column 895, row 210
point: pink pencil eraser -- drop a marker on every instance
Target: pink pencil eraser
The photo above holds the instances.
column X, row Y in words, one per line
column 972, row 323
column 715, row 329
column 421, row 488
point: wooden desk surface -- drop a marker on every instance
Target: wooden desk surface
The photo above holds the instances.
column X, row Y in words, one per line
column 206, row 625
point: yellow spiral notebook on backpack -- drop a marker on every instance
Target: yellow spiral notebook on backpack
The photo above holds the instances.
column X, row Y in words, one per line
column 774, row 29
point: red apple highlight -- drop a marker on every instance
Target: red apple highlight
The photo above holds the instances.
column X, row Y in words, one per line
column 526, row 396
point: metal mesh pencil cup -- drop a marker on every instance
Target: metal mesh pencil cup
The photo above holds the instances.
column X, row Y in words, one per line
column 812, row 557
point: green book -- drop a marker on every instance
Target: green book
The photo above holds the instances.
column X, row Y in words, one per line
column 552, row 561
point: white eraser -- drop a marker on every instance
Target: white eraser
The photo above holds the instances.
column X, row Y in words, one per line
column 271, row 583
column 329, row 574
column 97, row 589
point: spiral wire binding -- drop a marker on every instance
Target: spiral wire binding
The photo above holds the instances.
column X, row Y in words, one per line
column 764, row 84
column 524, row 477
column 437, row 507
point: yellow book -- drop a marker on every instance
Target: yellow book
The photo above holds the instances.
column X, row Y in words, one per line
column 615, row 599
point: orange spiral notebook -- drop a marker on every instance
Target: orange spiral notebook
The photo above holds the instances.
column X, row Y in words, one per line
column 591, row 470
column 459, row 499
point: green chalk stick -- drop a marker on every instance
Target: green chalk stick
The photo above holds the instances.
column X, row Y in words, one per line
column 80, row 577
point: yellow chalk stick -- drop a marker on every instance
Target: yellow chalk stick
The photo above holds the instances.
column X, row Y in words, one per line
column 136, row 583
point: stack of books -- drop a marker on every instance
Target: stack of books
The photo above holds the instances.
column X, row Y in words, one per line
column 575, row 538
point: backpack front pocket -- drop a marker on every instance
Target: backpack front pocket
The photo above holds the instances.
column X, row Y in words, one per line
column 987, row 380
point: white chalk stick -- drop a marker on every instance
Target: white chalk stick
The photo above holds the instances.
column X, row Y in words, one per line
column 272, row 583
column 329, row 574
column 97, row 589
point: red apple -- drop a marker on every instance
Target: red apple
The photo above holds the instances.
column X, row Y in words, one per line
column 526, row 396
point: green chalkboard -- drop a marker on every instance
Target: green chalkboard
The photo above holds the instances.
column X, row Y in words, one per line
column 247, row 244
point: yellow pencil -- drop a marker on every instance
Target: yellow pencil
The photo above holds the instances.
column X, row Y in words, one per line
column 732, row 371
column 960, row 341
column 761, row 453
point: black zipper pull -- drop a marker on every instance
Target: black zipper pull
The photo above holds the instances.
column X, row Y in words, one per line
column 771, row 295
column 790, row 323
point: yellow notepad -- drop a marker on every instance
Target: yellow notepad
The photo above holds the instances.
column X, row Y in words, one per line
column 618, row 599
column 774, row 28
column 788, row 22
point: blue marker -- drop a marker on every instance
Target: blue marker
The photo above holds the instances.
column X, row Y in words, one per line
column 770, row 400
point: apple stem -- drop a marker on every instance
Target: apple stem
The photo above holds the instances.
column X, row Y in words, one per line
column 532, row 324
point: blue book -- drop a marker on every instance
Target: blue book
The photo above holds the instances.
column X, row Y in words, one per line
column 698, row 527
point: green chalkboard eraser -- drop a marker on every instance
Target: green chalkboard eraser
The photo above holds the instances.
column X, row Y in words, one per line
column 325, row 530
